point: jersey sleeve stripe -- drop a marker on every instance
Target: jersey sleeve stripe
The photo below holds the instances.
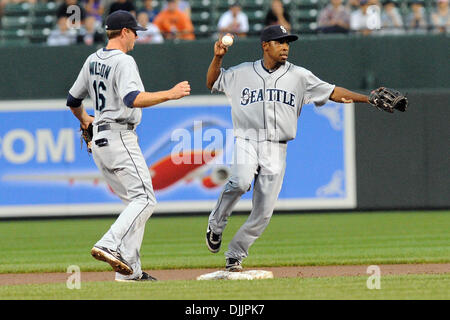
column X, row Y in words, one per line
column 73, row 102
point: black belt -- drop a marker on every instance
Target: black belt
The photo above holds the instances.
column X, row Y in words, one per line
column 117, row 126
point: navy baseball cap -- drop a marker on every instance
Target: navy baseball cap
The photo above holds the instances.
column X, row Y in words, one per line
column 277, row 32
column 122, row 19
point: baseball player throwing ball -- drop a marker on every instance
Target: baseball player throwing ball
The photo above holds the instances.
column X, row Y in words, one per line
column 111, row 78
column 266, row 98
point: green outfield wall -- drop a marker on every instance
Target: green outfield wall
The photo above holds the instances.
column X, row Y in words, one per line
column 353, row 62
column 403, row 159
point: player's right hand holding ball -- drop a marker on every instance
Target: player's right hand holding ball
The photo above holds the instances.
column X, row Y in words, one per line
column 221, row 46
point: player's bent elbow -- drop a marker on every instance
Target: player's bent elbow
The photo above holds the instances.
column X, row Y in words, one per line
column 336, row 94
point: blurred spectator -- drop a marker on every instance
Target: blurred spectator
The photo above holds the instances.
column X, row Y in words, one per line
column 376, row 3
column 152, row 35
column 184, row 6
column 174, row 24
column 391, row 19
column 148, row 8
column 62, row 35
column 365, row 20
column 417, row 21
column 234, row 21
column 64, row 10
column 94, row 8
column 90, row 33
column 334, row 18
column 277, row 14
column 126, row 5
column 440, row 17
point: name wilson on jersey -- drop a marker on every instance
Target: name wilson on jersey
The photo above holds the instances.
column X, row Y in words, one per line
column 272, row 95
column 97, row 68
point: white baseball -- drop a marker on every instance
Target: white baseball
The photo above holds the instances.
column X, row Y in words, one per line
column 227, row 40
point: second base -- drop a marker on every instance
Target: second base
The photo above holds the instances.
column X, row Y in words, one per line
column 243, row 275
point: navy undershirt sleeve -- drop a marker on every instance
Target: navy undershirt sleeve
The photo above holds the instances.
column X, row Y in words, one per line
column 73, row 102
column 130, row 97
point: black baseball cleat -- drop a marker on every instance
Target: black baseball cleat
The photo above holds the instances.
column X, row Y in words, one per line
column 233, row 265
column 144, row 277
column 113, row 258
column 213, row 241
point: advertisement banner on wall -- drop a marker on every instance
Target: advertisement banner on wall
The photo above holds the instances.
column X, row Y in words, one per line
column 188, row 146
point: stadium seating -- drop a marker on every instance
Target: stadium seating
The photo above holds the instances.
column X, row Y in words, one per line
column 15, row 22
column 24, row 23
column 45, row 8
column 16, row 9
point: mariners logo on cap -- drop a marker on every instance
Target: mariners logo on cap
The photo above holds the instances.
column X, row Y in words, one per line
column 277, row 32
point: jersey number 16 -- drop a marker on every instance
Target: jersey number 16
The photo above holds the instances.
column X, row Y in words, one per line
column 99, row 97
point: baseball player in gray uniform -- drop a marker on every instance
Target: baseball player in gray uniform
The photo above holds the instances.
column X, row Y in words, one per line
column 266, row 98
column 111, row 78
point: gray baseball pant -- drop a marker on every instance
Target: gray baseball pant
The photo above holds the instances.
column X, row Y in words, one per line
column 124, row 168
column 266, row 163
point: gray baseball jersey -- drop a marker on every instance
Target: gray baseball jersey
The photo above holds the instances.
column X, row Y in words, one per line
column 110, row 77
column 270, row 102
column 267, row 104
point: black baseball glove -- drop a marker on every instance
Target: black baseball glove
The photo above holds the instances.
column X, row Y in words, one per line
column 86, row 135
column 387, row 99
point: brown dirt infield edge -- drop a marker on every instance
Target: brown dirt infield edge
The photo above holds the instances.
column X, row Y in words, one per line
column 278, row 272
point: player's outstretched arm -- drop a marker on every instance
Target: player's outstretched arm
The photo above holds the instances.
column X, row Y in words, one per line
column 148, row 99
column 214, row 68
column 343, row 95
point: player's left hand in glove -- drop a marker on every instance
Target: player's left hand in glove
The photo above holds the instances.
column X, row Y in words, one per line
column 87, row 135
column 388, row 100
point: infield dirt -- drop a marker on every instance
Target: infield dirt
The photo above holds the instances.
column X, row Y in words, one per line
column 278, row 272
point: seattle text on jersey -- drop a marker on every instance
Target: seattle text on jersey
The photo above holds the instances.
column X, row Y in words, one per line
column 274, row 95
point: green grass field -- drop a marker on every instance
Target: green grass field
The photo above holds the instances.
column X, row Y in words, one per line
column 178, row 242
column 339, row 288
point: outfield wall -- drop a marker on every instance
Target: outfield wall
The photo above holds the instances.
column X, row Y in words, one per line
column 352, row 62
column 403, row 159
column 344, row 157
column 188, row 145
